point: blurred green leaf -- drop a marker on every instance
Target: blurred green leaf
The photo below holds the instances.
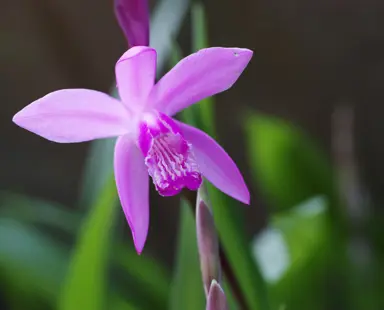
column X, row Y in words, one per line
column 287, row 165
column 86, row 285
column 230, row 224
column 31, row 264
column 199, row 26
column 187, row 287
column 187, row 290
column 38, row 211
column 118, row 303
column 293, row 252
column 146, row 273
column 227, row 212
column 188, row 115
column 98, row 168
column 232, row 303
column 200, row 41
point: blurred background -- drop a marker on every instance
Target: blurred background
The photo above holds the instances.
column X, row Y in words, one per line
column 303, row 123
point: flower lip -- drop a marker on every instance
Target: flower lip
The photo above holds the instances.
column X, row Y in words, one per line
column 168, row 156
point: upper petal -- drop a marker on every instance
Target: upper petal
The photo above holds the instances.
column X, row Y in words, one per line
column 133, row 17
column 200, row 75
column 74, row 115
column 132, row 183
column 215, row 164
column 135, row 75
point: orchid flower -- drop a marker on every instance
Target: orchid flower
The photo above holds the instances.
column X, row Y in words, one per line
column 150, row 141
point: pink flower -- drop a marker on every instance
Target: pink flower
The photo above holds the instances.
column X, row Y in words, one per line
column 150, row 141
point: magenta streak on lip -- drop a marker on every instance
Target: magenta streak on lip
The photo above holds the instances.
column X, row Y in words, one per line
column 168, row 156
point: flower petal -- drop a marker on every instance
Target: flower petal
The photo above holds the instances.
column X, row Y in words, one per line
column 132, row 183
column 133, row 17
column 74, row 115
column 215, row 164
column 135, row 75
column 200, row 75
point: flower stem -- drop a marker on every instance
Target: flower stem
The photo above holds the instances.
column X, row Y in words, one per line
column 225, row 265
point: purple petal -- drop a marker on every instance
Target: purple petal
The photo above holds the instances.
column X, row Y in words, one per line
column 74, row 115
column 200, row 75
column 215, row 164
column 132, row 183
column 216, row 298
column 133, row 17
column 135, row 75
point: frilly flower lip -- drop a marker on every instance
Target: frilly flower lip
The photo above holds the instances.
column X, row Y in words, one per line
column 168, row 156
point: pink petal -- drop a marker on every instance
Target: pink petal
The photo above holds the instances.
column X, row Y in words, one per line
column 133, row 17
column 74, row 115
column 135, row 75
column 200, row 75
column 215, row 164
column 132, row 183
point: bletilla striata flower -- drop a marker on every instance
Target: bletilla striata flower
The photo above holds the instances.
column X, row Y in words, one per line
column 150, row 142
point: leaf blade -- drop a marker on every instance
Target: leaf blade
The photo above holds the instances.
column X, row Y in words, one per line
column 85, row 284
column 187, row 287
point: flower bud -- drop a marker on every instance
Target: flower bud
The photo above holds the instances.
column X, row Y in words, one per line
column 207, row 241
column 216, row 298
column 133, row 17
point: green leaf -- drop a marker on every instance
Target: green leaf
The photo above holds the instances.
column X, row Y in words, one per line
column 232, row 303
column 200, row 41
column 188, row 115
column 230, row 225
column 227, row 212
column 143, row 273
column 98, row 168
column 31, row 264
column 286, row 164
column 85, row 286
column 118, row 303
column 38, row 212
column 295, row 249
column 187, row 287
column 146, row 273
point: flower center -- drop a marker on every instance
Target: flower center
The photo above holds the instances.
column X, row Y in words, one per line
column 168, row 156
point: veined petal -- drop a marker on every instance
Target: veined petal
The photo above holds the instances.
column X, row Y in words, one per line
column 133, row 17
column 215, row 164
column 200, row 75
column 74, row 115
column 132, row 183
column 135, row 75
